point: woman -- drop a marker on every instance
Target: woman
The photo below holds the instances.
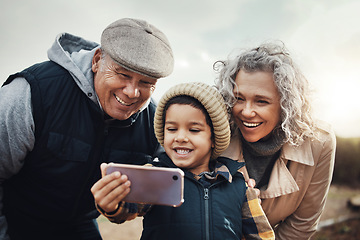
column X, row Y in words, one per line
column 287, row 153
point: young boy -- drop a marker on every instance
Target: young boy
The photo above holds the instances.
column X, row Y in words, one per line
column 191, row 124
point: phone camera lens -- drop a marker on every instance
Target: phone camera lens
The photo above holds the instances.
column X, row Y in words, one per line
column 175, row 177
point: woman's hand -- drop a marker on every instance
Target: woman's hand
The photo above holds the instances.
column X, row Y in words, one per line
column 251, row 184
column 110, row 189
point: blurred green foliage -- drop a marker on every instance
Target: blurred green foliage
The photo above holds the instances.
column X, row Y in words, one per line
column 347, row 162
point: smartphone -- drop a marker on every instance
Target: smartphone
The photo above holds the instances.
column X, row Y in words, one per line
column 152, row 185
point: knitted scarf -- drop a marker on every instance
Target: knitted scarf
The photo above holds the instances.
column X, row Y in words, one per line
column 260, row 156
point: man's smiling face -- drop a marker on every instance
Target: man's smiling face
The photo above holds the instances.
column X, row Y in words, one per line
column 121, row 92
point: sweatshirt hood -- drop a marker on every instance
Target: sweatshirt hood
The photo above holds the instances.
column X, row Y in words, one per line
column 75, row 55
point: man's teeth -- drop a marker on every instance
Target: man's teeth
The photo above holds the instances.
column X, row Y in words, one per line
column 182, row 151
column 251, row 124
column 121, row 101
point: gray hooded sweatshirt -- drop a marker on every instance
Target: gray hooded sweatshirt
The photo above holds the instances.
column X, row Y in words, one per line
column 17, row 126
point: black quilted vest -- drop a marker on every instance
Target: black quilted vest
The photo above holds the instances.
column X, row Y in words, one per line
column 72, row 140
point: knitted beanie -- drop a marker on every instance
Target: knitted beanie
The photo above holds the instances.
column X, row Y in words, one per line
column 212, row 101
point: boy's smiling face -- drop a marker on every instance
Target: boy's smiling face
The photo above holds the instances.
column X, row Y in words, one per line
column 187, row 138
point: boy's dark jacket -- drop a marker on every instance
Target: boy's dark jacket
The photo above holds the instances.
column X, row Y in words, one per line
column 73, row 137
column 207, row 213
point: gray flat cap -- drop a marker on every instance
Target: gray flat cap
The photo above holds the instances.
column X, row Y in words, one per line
column 139, row 47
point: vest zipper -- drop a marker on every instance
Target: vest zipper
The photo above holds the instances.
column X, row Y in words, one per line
column 207, row 219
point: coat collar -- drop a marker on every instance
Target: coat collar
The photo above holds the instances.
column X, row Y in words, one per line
column 301, row 154
column 281, row 181
column 224, row 167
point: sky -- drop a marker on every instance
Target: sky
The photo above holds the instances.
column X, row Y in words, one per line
column 323, row 37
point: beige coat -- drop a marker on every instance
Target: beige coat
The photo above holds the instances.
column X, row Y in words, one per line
column 295, row 196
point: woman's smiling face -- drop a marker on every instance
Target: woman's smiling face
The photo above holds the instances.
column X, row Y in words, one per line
column 257, row 109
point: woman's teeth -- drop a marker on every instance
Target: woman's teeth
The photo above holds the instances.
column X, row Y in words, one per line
column 251, row 125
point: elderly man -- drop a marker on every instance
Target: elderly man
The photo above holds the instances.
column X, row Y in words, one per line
column 62, row 118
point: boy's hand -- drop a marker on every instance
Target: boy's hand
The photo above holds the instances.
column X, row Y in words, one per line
column 110, row 189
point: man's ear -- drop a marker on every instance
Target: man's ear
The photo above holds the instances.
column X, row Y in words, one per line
column 96, row 60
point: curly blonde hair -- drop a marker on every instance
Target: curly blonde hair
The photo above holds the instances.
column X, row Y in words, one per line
column 293, row 87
